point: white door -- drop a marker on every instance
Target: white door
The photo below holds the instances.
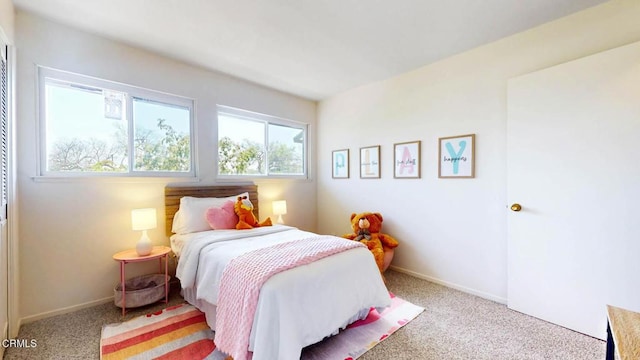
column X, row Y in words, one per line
column 574, row 166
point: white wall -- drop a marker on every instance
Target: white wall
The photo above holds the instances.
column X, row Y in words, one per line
column 7, row 16
column 70, row 229
column 451, row 231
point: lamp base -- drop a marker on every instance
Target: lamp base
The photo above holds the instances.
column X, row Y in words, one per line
column 144, row 245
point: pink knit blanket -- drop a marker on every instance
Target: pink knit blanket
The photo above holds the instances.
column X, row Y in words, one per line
column 243, row 277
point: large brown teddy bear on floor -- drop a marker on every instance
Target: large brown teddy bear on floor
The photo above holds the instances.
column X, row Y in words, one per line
column 246, row 219
column 366, row 229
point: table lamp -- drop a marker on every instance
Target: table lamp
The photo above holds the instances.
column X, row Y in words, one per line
column 279, row 208
column 144, row 219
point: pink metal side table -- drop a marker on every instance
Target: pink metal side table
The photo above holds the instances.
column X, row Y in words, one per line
column 130, row 256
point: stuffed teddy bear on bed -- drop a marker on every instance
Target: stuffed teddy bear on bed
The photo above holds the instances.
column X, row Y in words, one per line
column 366, row 229
column 246, row 219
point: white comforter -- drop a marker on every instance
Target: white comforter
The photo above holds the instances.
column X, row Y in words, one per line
column 297, row 307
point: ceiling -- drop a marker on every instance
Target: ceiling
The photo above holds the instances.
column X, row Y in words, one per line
column 310, row 48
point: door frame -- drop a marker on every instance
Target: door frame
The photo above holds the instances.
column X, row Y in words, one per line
column 12, row 204
column 13, row 321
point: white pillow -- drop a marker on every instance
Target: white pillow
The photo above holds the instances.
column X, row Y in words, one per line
column 177, row 222
column 191, row 217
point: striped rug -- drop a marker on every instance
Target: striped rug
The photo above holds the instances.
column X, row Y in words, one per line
column 181, row 332
column 177, row 332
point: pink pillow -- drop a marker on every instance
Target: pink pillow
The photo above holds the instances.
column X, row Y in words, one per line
column 223, row 217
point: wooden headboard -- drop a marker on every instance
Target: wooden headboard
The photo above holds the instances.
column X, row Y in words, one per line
column 172, row 195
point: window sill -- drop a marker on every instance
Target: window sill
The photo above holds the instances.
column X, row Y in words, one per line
column 227, row 179
column 116, row 179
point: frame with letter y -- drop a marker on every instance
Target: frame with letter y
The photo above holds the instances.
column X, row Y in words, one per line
column 456, row 156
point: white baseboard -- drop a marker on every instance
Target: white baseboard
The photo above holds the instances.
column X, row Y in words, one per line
column 44, row 315
column 465, row 289
column 15, row 330
column 5, row 335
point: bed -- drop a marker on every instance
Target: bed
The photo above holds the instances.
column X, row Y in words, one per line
column 296, row 307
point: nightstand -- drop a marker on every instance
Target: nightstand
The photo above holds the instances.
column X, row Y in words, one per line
column 129, row 256
column 623, row 333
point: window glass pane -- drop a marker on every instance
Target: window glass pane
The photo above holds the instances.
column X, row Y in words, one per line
column 250, row 143
column 241, row 147
column 79, row 137
column 161, row 137
column 286, row 150
column 96, row 127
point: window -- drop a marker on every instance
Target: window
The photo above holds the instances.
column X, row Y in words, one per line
column 257, row 145
column 93, row 127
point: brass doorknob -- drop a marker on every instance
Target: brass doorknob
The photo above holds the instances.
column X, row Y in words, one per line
column 516, row 207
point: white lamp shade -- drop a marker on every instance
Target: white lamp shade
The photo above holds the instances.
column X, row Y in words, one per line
column 143, row 219
column 279, row 207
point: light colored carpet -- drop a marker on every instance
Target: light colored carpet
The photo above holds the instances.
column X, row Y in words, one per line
column 454, row 325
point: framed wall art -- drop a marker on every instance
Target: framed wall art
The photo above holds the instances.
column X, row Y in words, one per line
column 340, row 164
column 456, row 156
column 370, row 162
column 406, row 160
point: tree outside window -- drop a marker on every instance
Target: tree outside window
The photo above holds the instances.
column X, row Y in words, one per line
column 242, row 149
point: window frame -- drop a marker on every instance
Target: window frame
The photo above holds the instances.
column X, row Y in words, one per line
column 266, row 120
column 46, row 74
